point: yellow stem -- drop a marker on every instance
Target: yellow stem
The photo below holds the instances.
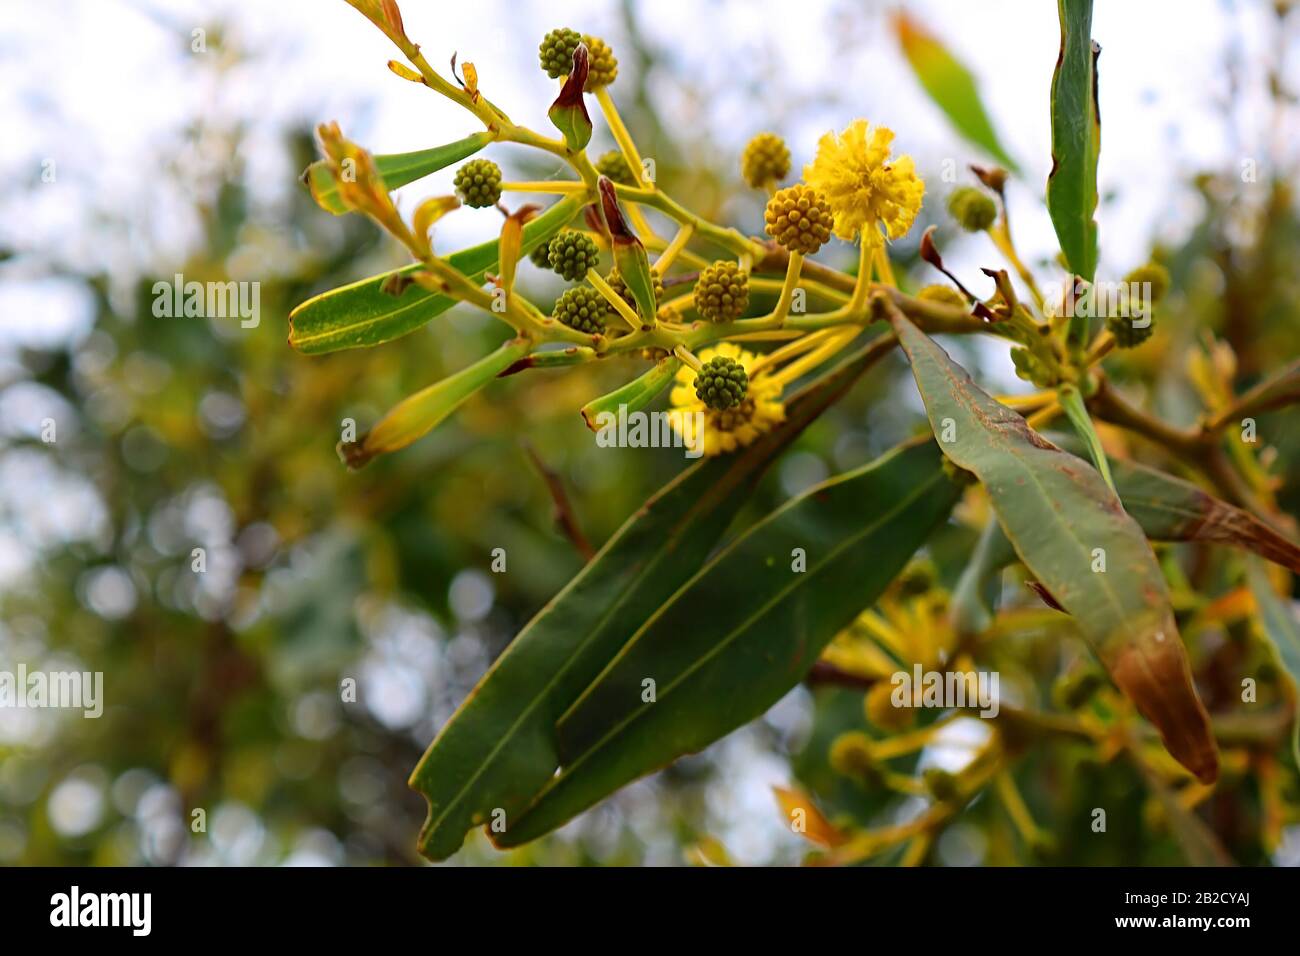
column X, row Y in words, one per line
column 787, row 352
column 1007, row 792
column 617, row 301
column 884, row 269
column 621, row 135
column 558, row 187
column 685, row 354
column 1040, row 418
column 669, row 255
column 835, row 342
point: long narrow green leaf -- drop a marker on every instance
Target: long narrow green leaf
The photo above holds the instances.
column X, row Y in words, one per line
column 744, row 630
column 951, row 86
column 1076, row 139
column 1171, row 509
column 362, row 314
column 499, row 748
column 397, row 169
column 1072, row 533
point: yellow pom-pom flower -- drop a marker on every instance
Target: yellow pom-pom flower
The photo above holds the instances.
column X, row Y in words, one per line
column 732, row 428
column 866, row 189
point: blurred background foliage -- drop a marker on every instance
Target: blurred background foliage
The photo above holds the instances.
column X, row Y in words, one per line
column 222, row 687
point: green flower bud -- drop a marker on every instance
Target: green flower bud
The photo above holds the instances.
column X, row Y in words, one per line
column 540, row 256
column 1030, row 368
column 973, row 210
column 613, row 165
column 572, row 253
column 556, row 51
column 722, row 292
column 1153, row 273
column 1127, row 334
column 618, row 285
column 478, row 183
column 766, row 159
column 799, row 219
column 722, row 383
column 584, row 309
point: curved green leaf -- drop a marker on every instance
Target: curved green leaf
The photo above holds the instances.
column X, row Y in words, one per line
column 719, row 661
column 397, row 169
column 1171, row 509
column 1076, row 139
column 636, row 394
column 499, row 749
column 416, row 415
column 362, row 314
column 951, row 86
column 1073, row 534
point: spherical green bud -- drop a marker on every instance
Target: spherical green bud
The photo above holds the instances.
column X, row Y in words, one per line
column 943, row 294
column 1031, row 368
column 766, row 159
column 973, row 210
column 613, row 165
column 619, row 286
column 603, row 65
column 584, row 309
column 556, row 51
column 540, row 256
column 722, row 383
column 799, row 219
column 1127, row 333
column 478, row 183
column 1153, row 273
column 572, row 253
column 722, row 292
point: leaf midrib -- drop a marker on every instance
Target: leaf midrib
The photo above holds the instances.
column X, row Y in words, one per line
column 1014, row 453
column 748, row 622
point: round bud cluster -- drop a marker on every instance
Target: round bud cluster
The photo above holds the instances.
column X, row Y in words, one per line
column 1031, row 368
column 584, row 309
column 613, row 165
column 799, row 219
column 603, row 66
column 1127, row 333
column 722, row 292
column 556, row 51
column 478, row 183
column 973, row 210
column 766, row 159
column 572, row 253
column 541, row 255
column 721, row 383
column 1153, row 273
column 619, row 286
